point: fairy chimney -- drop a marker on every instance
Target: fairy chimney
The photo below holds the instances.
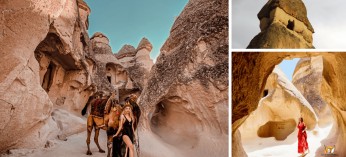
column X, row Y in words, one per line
column 143, row 54
column 283, row 24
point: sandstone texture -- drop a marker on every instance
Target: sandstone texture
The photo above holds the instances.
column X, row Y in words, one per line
column 106, row 65
column 283, row 24
column 333, row 87
column 237, row 147
column 32, row 33
column 68, row 123
column 185, row 102
column 295, row 8
column 279, row 110
column 250, row 72
column 137, row 62
column 50, row 68
column 307, row 78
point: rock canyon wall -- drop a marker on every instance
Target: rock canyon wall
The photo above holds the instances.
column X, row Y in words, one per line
column 250, row 71
column 307, row 78
column 185, row 102
column 50, row 68
column 41, row 47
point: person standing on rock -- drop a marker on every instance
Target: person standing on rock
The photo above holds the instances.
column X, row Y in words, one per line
column 126, row 126
column 302, row 137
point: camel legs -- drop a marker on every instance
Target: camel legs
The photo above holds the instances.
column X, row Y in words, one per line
column 89, row 130
column 96, row 139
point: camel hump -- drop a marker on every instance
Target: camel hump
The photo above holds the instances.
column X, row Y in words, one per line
column 97, row 108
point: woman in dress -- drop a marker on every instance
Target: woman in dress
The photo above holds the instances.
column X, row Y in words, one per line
column 302, row 137
column 126, row 126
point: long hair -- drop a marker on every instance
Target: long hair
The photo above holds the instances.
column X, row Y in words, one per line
column 127, row 104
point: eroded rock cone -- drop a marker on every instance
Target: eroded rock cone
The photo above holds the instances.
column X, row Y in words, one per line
column 284, row 24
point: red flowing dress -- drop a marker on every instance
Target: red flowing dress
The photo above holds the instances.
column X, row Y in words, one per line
column 302, row 138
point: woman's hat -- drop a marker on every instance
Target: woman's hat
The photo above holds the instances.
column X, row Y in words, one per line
column 127, row 104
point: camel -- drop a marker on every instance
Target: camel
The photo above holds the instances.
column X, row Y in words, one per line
column 96, row 120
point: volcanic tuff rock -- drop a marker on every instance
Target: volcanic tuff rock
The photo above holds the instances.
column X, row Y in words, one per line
column 187, row 89
column 32, row 33
column 269, row 119
column 137, row 62
column 126, row 50
column 284, row 24
column 105, row 63
column 251, row 70
column 49, row 69
column 307, row 78
column 112, row 73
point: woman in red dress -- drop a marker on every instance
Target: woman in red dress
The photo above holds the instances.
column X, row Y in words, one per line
column 302, row 137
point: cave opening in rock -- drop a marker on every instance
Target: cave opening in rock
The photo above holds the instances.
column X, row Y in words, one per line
column 265, row 92
column 48, row 77
column 109, row 78
column 118, row 75
column 292, row 90
column 53, row 62
column 290, row 25
column 174, row 123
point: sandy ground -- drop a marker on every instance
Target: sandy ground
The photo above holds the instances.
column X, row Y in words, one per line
column 288, row 148
column 151, row 145
column 73, row 147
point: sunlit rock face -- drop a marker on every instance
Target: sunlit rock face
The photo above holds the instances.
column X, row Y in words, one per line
column 283, row 24
column 137, row 62
column 110, row 74
column 250, row 72
column 185, row 102
column 333, row 89
column 307, row 78
column 106, row 65
column 278, row 111
column 42, row 53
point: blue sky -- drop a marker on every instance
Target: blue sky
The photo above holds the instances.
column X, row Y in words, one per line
column 288, row 66
column 127, row 22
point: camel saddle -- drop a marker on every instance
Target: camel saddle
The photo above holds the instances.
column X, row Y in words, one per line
column 97, row 107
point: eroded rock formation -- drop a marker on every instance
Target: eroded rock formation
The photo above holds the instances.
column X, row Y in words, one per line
column 251, row 70
column 185, row 103
column 42, row 53
column 50, row 68
column 269, row 119
column 137, row 62
column 283, row 24
column 307, row 78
